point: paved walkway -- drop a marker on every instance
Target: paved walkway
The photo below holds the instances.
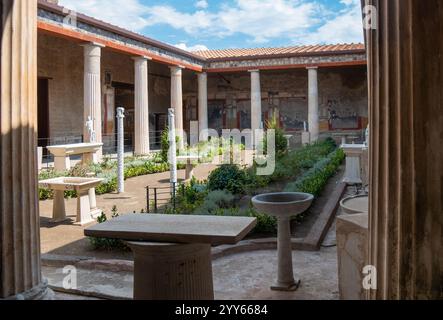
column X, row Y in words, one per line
column 245, row 276
column 68, row 239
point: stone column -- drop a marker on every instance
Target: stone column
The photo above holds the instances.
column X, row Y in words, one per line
column 20, row 269
column 92, row 91
column 142, row 143
column 313, row 104
column 406, row 153
column 177, row 102
column 256, row 114
column 203, row 104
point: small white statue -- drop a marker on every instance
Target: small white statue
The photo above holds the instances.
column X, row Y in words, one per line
column 90, row 128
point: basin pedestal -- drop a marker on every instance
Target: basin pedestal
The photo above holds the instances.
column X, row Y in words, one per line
column 286, row 281
column 87, row 209
column 283, row 206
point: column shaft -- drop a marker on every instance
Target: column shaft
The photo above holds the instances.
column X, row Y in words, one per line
column 142, row 146
column 20, row 271
column 406, row 154
column 203, row 104
column 92, row 91
column 256, row 109
column 313, row 104
column 177, row 102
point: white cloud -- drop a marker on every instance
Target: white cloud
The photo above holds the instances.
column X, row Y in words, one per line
column 202, row 4
column 198, row 47
column 346, row 27
column 261, row 21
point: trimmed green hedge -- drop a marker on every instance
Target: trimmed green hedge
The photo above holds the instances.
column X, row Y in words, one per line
column 315, row 179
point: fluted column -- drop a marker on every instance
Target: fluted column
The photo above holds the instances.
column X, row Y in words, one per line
column 313, row 115
column 256, row 109
column 142, row 146
column 20, row 271
column 406, row 149
column 177, row 102
column 203, row 104
column 92, row 91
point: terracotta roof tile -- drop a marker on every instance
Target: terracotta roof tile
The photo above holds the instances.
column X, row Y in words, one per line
column 269, row 52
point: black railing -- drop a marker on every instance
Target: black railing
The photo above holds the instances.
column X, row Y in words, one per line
column 158, row 199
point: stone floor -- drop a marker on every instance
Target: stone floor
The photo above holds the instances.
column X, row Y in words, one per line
column 246, row 276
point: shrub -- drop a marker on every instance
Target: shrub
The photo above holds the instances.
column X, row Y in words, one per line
column 281, row 142
column 105, row 243
column 216, row 201
column 228, row 177
column 314, row 180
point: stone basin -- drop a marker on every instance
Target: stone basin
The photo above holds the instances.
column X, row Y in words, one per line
column 355, row 204
column 68, row 183
column 283, row 204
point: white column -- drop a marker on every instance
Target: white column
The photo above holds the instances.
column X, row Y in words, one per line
column 256, row 110
column 314, row 128
column 203, row 103
column 142, row 146
column 92, row 91
column 177, row 102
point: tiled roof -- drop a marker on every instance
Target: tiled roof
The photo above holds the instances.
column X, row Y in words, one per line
column 286, row 51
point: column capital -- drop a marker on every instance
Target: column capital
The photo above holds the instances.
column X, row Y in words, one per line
column 254, row 70
column 312, row 68
column 92, row 44
column 138, row 58
column 179, row 67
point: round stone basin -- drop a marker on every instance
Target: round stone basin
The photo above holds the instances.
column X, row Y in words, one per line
column 355, row 204
column 283, row 204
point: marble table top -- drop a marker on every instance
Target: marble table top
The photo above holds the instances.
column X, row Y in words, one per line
column 175, row 228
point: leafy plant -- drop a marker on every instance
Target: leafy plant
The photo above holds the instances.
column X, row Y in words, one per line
column 281, row 142
column 216, row 201
column 228, row 177
column 105, row 243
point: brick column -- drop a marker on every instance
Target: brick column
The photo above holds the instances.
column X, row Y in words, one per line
column 142, row 146
column 20, row 270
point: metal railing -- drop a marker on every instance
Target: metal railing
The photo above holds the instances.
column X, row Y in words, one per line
column 159, row 198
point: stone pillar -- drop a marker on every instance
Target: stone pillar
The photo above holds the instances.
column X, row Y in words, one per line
column 20, row 269
column 406, row 153
column 177, row 102
column 256, row 114
column 313, row 115
column 203, row 104
column 92, row 91
column 142, row 143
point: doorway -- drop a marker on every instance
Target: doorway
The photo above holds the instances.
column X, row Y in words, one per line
column 43, row 112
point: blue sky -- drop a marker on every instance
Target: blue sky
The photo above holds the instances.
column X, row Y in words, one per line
column 221, row 24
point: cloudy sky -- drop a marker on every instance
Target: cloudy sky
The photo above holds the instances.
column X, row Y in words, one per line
column 217, row 24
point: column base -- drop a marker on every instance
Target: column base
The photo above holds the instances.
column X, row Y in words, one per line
column 40, row 292
column 287, row 287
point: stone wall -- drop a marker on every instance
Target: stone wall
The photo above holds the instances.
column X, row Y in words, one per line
column 61, row 61
column 343, row 90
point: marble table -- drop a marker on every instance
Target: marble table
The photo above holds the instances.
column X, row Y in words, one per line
column 191, row 163
column 87, row 209
column 62, row 153
column 172, row 253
